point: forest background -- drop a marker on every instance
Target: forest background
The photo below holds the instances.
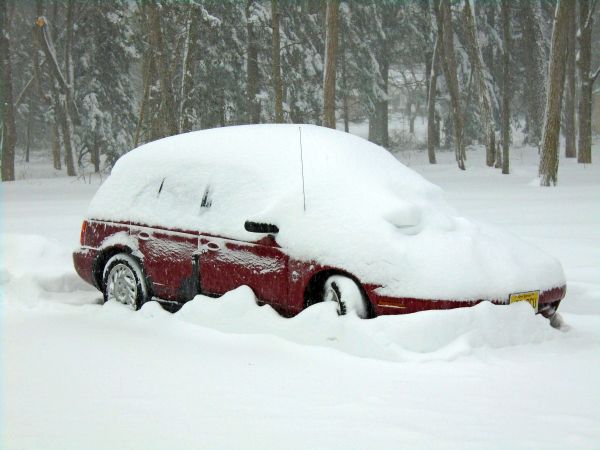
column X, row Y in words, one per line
column 85, row 81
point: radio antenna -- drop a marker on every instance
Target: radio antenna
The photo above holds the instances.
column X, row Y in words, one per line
column 302, row 165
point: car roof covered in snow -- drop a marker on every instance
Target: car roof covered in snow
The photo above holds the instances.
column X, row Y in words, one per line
column 237, row 173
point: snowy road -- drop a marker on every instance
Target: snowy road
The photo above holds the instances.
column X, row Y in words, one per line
column 227, row 374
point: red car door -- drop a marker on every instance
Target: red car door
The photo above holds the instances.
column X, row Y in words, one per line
column 168, row 261
column 227, row 264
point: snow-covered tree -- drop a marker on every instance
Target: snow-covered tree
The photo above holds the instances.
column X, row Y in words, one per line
column 106, row 97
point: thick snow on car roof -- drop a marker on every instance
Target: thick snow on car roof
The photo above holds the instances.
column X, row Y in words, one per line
column 363, row 210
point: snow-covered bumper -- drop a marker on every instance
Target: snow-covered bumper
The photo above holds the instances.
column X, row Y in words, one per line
column 549, row 300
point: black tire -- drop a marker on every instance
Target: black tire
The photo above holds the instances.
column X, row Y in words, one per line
column 348, row 296
column 123, row 280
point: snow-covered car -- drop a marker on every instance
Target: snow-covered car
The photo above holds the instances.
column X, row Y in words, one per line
column 300, row 214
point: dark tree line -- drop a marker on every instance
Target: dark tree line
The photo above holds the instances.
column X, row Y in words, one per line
column 89, row 80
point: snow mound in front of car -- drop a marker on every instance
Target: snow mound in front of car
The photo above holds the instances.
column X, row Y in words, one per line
column 429, row 335
column 35, row 269
column 362, row 210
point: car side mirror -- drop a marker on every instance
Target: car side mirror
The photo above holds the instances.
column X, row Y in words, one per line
column 260, row 227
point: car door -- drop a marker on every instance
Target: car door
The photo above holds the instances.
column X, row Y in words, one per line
column 226, row 264
column 168, row 261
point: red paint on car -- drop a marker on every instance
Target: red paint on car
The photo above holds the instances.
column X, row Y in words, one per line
column 180, row 264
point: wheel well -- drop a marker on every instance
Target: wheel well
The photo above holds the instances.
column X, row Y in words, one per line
column 314, row 288
column 101, row 261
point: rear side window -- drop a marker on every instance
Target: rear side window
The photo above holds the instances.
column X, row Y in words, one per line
column 206, row 198
column 211, row 198
column 176, row 197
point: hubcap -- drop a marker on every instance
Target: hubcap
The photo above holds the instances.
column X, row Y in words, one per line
column 121, row 285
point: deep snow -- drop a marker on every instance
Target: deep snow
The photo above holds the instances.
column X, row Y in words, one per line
column 228, row 374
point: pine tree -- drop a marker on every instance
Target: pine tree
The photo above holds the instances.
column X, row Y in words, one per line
column 106, row 96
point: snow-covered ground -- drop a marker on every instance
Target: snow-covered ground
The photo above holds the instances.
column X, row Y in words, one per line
column 228, row 374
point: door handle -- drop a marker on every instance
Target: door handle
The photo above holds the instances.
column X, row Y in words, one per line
column 213, row 246
column 144, row 236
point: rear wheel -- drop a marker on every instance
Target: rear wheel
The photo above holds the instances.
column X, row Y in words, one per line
column 124, row 282
column 347, row 294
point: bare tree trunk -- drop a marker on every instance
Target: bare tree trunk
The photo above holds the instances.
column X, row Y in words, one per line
column 372, row 128
column 411, row 110
column 253, row 105
column 485, row 104
column 431, row 95
column 63, row 97
column 36, row 79
column 383, row 106
column 569, row 110
column 190, row 63
column 160, row 58
column 29, row 123
column 65, row 125
column 69, row 47
column 444, row 19
column 331, row 38
column 532, row 61
column 345, row 106
column 95, row 156
column 147, row 66
column 58, row 141
column 277, row 83
column 584, row 154
column 222, row 109
column 66, row 119
column 506, row 85
column 9, row 131
column 556, row 80
column 56, row 146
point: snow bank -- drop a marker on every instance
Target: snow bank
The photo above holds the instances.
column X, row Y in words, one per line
column 36, row 274
column 425, row 336
column 365, row 211
column 35, row 269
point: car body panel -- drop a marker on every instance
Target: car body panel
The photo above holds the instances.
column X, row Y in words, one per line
column 168, row 261
column 225, row 264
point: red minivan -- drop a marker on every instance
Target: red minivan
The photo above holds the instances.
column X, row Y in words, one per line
column 300, row 214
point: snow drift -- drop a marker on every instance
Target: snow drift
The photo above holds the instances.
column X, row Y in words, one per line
column 36, row 276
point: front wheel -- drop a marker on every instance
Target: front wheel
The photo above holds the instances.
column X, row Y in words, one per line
column 124, row 282
column 348, row 296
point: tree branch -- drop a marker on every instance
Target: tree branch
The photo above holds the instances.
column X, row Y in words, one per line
column 593, row 7
column 595, row 75
column 588, row 19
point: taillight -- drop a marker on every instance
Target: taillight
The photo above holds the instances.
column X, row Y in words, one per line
column 82, row 236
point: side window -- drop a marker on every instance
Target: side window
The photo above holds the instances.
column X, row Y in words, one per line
column 181, row 195
column 162, row 183
column 206, row 199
